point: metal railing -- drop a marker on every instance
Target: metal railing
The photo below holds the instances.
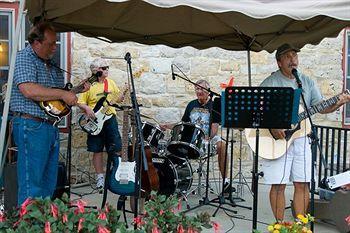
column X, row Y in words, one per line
column 333, row 147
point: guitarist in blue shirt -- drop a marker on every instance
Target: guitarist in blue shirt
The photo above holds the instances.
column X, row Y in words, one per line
column 295, row 164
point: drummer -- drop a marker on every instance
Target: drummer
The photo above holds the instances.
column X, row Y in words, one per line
column 197, row 112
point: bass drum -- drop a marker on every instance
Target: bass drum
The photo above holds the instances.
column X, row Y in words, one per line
column 173, row 177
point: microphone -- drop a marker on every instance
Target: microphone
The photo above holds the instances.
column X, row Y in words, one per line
column 295, row 74
column 172, row 71
column 98, row 74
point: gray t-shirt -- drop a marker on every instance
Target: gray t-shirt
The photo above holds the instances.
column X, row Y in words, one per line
column 311, row 92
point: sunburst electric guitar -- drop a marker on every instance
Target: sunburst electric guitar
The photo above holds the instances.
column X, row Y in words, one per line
column 122, row 175
column 271, row 148
column 58, row 108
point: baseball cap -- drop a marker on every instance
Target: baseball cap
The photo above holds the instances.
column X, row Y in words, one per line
column 97, row 63
column 285, row 48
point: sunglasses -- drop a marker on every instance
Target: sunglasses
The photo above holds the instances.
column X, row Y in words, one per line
column 105, row 67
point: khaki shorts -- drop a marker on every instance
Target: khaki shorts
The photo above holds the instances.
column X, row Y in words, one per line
column 293, row 166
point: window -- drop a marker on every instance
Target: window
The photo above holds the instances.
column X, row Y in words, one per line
column 347, row 74
column 5, row 45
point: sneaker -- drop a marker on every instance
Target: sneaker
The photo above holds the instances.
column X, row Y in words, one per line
column 228, row 189
column 100, row 182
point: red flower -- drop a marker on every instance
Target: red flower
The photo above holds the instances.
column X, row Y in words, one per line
column 102, row 229
column 2, row 217
column 179, row 205
column 24, row 205
column 80, row 224
column 64, row 218
column 54, row 210
column 161, row 212
column 216, row 226
column 47, row 227
column 102, row 216
column 347, row 219
column 138, row 220
column 80, row 204
column 155, row 230
column 180, row 229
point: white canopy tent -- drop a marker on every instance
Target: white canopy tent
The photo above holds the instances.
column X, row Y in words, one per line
column 251, row 25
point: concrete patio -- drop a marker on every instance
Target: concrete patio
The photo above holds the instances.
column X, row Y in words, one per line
column 229, row 222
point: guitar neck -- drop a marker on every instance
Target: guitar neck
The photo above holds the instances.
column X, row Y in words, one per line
column 319, row 107
column 125, row 136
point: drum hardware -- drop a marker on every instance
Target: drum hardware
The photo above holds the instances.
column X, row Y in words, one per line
column 186, row 140
column 242, row 181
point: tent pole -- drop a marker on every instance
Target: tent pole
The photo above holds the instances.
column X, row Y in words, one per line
column 249, row 69
column 9, row 84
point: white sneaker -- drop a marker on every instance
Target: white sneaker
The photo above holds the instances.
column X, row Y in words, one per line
column 100, row 182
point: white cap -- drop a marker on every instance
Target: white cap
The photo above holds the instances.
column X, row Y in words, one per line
column 97, row 63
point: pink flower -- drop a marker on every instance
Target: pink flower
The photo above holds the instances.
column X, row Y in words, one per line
column 161, row 212
column 155, row 221
column 155, row 230
column 180, row 229
column 102, row 229
column 347, row 219
column 80, row 204
column 64, row 218
column 24, row 205
column 190, row 230
column 2, row 217
column 80, row 224
column 179, row 205
column 216, row 227
column 54, row 210
column 47, row 227
column 138, row 220
column 102, row 216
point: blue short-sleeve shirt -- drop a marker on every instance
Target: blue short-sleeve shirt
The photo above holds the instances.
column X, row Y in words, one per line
column 29, row 68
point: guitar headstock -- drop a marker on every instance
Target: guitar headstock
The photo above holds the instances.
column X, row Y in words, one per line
column 347, row 92
column 94, row 77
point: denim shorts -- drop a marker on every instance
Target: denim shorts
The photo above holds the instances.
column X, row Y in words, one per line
column 108, row 138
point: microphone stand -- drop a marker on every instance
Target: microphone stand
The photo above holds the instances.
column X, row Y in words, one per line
column 137, row 156
column 205, row 200
column 314, row 144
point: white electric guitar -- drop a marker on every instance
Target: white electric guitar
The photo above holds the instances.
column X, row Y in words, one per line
column 270, row 148
column 122, row 175
column 94, row 126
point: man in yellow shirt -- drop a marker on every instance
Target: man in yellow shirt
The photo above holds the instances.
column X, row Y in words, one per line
column 109, row 136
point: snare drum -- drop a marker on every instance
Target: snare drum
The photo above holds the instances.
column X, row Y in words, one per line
column 186, row 140
column 173, row 178
column 152, row 134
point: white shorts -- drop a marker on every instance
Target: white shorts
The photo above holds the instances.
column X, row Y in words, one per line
column 293, row 166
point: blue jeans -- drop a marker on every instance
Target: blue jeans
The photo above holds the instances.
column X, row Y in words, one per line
column 37, row 161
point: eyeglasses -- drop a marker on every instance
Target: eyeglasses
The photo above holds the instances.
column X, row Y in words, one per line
column 105, row 67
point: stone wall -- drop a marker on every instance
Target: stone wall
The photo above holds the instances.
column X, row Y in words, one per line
column 164, row 99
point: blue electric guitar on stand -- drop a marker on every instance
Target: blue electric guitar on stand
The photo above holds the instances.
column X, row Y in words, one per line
column 122, row 175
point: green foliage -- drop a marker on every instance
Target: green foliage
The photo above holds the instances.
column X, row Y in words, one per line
column 162, row 214
column 44, row 215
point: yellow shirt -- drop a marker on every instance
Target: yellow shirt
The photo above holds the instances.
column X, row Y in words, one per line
column 96, row 92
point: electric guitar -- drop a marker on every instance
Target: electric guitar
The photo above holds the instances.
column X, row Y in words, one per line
column 58, row 108
column 271, row 148
column 122, row 175
column 94, row 126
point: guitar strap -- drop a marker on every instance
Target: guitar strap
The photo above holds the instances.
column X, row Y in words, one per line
column 105, row 87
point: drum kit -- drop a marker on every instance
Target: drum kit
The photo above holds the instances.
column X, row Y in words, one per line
column 172, row 157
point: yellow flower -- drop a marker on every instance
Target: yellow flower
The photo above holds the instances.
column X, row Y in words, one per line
column 278, row 226
column 270, row 228
column 300, row 216
column 304, row 220
column 309, row 231
column 276, row 231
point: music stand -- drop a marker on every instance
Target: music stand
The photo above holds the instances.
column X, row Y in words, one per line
column 258, row 107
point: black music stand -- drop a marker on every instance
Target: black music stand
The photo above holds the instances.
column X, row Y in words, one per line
column 258, row 107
